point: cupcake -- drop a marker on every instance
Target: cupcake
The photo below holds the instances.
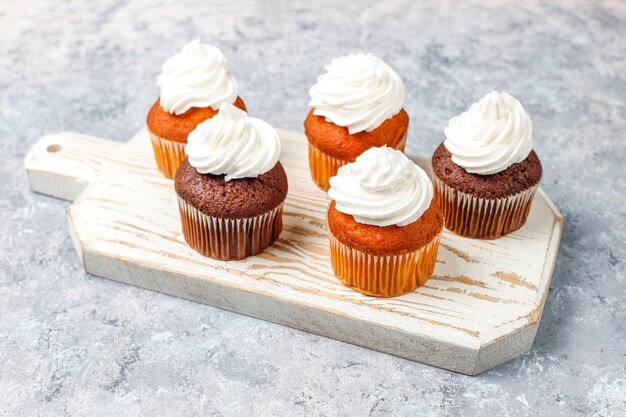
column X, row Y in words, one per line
column 355, row 105
column 194, row 83
column 383, row 223
column 231, row 188
column 485, row 172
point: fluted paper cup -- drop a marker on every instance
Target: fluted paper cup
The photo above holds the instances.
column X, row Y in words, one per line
column 383, row 276
column 482, row 218
column 324, row 166
column 226, row 239
column 169, row 154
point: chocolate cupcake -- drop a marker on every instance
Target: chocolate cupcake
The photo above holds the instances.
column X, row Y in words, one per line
column 355, row 105
column 485, row 173
column 231, row 188
column 383, row 223
column 194, row 83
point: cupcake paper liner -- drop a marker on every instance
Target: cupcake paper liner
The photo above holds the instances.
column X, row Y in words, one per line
column 169, row 154
column 383, row 276
column 324, row 166
column 229, row 238
column 482, row 218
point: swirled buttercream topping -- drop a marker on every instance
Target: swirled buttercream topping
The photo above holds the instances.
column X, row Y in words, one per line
column 357, row 91
column 382, row 188
column 197, row 76
column 233, row 144
column 492, row 135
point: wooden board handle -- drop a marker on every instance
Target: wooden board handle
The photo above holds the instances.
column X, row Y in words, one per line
column 63, row 164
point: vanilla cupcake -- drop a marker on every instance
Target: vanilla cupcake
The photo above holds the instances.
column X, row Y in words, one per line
column 232, row 187
column 383, row 223
column 194, row 83
column 486, row 173
column 355, row 105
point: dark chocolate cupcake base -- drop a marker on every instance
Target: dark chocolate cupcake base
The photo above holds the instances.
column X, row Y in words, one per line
column 230, row 219
column 482, row 218
column 513, row 180
column 227, row 239
column 484, row 206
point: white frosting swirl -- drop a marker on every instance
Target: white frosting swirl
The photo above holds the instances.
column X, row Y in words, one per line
column 492, row 135
column 233, row 144
column 197, row 76
column 382, row 187
column 358, row 91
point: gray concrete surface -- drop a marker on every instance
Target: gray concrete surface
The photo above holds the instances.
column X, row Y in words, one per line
column 73, row 344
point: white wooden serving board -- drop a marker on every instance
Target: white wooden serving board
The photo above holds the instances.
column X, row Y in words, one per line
column 480, row 309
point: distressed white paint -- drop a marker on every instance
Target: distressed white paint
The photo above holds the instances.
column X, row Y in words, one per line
column 480, row 309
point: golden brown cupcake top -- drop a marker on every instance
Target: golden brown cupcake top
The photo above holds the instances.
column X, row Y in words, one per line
column 177, row 128
column 383, row 204
column 389, row 240
column 338, row 142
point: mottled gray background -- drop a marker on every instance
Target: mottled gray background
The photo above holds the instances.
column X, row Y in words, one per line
column 73, row 344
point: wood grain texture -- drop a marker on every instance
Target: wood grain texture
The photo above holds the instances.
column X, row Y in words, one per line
column 480, row 309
